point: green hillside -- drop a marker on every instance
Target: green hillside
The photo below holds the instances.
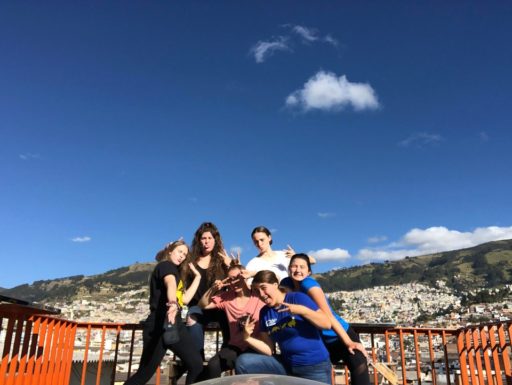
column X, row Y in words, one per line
column 131, row 277
column 485, row 265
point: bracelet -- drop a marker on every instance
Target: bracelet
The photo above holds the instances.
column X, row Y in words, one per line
column 170, row 303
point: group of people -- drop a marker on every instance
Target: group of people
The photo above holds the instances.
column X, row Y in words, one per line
column 273, row 301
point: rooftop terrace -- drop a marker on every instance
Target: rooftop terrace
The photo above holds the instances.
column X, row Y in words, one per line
column 38, row 347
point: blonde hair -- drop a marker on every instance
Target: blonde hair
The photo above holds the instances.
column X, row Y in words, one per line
column 163, row 255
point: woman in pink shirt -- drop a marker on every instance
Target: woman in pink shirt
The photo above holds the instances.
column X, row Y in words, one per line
column 234, row 296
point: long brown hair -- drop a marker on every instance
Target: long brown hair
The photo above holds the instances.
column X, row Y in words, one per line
column 217, row 268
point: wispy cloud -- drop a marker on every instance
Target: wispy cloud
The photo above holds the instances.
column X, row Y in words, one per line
column 29, row 156
column 377, row 239
column 312, row 35
column 326, row 215
column 421, row 139
column 434, row 240
column 81, row 239
column 308, row 34
column 331, row 40
column 326, row 91
column 263, row 49
column 484, row 137
column 330, row 254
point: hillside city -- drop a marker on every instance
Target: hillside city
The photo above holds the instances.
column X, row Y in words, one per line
column 412, row 304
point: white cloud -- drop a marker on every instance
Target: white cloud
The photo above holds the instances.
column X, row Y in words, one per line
column 325, row 91
column 81, row 239
column 29, row 156
column 377, row 239
column 326, row 215
column 263, row 49
column 421, row 139
column 329, row 254
column 434, row 240
column 331, row 40
column 308, row 34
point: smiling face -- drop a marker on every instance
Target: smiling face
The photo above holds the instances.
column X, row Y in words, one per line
column 178, row 255
column 207, row 242
column 262, row 241
column 298, row 269
column 269, row 293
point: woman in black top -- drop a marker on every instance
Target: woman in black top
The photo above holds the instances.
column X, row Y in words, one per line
column 211, row 263
column 165, row 300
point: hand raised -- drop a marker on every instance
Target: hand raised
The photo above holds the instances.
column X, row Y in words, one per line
column 289, row 252
column 292, row 308
column 249, row 326
column 194, row 269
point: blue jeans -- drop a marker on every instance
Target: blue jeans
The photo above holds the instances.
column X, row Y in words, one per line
column 253, row 363
column 319, row 372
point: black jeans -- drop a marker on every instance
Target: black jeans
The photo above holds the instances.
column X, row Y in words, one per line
column 154, row 350
column 356, row 363
column 225, row 359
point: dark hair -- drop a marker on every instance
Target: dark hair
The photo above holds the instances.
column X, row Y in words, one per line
column 262, row 229
column 216, row 269
column 265, row 276
column 164, row 254
column 234, row 264
column 303, row 256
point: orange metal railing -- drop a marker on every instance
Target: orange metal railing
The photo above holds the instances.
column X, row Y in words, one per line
column 42, row 349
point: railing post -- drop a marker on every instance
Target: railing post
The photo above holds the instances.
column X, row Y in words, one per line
column 504, row 353
column 461, row 348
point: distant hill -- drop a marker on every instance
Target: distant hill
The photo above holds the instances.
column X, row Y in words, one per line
column 486, row 265
column 131, row 277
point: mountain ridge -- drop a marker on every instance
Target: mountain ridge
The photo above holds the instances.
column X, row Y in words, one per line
column 488, row 264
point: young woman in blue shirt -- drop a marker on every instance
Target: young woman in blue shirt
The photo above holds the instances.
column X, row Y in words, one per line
column 341, row 340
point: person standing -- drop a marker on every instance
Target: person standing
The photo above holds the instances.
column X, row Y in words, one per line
column 166, row 298
column 268, row 259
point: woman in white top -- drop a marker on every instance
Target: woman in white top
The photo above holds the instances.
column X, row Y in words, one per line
column 268, row 259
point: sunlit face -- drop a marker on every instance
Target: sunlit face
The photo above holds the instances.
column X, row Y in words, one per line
column 298, row 269
column 207, row 242
column 262, row 241
column 237, row 281
column 267, row 292
column 179, row 254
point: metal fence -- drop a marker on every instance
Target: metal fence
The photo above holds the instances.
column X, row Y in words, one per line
column 42, row 349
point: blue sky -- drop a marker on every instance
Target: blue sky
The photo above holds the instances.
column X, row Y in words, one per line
column 357, row 131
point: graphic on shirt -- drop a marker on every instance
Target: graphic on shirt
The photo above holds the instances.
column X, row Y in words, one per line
column 179, row 293
column 290, row 324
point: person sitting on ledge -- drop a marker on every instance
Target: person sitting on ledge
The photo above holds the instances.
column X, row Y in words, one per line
column 293, row 321
column 341, row 340
column 239, row 304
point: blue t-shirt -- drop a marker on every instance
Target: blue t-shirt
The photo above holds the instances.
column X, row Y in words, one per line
column 299, row 340
column 306, row 284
